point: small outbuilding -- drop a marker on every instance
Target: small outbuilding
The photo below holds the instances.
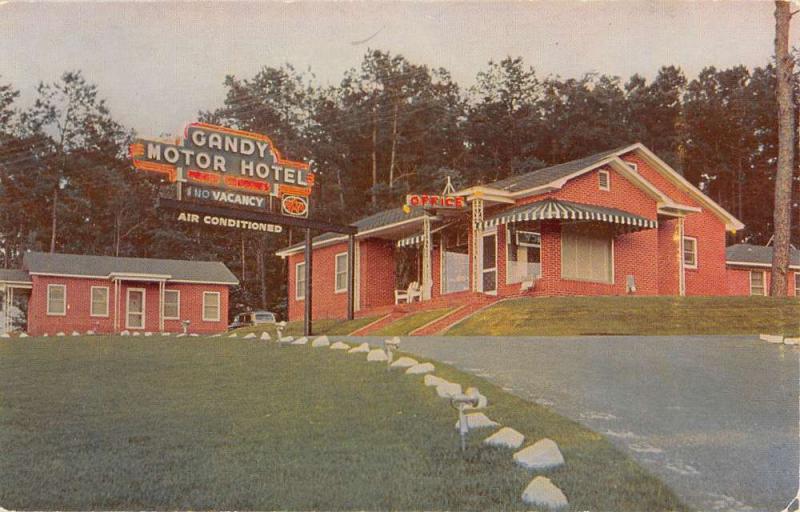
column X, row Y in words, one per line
column 72, row 292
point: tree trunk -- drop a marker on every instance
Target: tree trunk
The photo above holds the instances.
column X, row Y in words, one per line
column 374, row 155
column 54, row 220
column 341, row 188
column 394, row 145
column 783, row 176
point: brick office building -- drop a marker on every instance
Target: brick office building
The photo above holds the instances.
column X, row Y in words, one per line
column 614, row 223
column 69, row 292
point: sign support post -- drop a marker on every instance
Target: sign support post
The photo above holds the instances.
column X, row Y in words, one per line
column 351, row 278
column 308, row 261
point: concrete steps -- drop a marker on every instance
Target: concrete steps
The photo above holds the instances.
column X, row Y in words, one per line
column 442, row 324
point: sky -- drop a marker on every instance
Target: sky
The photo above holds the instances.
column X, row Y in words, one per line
column 159, row 63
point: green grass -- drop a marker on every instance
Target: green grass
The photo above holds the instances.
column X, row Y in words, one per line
column 199, row 423
column 329, row 327
column 568, row 316
column 408, row 323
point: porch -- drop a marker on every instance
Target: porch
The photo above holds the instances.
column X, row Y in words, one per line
column 548, row 247
column 15, row 290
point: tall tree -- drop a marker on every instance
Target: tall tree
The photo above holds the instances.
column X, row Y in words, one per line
column 786, row 150
column 76, row 123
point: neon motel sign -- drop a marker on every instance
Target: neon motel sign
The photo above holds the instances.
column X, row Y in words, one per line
column 227, row 165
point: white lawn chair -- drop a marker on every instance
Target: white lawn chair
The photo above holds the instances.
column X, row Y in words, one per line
column 408, row 295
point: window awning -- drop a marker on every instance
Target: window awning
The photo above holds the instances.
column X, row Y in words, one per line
column 550, row 209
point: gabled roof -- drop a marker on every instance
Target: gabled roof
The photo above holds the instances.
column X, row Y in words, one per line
column 547, row 175
column 756, row 255
column 104, row 266
column 554, row 177
column 368, row 224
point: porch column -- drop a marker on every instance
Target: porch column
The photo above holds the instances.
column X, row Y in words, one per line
column 427, row 276
column 161, row 306
column 116, row 305
column 477, row 232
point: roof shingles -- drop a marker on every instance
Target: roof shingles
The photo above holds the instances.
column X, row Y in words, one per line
column 103, row 266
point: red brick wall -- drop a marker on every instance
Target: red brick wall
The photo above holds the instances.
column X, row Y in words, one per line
column 710, row 277
column 78, row 316
column 738, row 279
column 669, row 257
column 377, row 273
column 377, row 279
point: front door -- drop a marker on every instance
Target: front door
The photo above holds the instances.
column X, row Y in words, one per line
column 489, row 263
column 135, row 312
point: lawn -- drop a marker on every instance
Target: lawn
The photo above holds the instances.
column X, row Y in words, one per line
column 220, row 423
column 408, row 323
column 330, row 327
column 571, row 316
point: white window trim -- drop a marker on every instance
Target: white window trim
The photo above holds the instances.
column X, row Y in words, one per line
column 179, row 305
column 796, row 281
column 297, row 295
column 763, row 283
column 219, row 307
column 63, row 287
column 694, row 265
column 508, row 259
column 91, row 301
column 608, row 180
column 613, row 265
column 336, row 273
column 128, row 307
column 633, row 165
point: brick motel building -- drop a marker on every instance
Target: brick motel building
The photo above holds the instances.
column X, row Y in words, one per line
column 622, row 222
column 68, row 292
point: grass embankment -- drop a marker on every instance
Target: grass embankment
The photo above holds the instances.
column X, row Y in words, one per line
column 408, row 323
column 199, row 423
column 571, row 316
column 329, row 327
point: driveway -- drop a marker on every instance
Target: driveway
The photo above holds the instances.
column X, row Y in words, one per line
column 715, row 417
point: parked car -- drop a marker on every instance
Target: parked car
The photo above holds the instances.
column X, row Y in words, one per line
column 252, row 318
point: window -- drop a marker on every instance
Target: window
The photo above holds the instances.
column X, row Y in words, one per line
column 604, row 180
column 523, row 254
column 300, row 279
column 797, row 284
column 99, row 301
column 689, row 252
column 757, row 282
column 586, row 254
column 56, row 299
column 211, row 306
column 634, row 166
column 172, row 304
column 341, row 273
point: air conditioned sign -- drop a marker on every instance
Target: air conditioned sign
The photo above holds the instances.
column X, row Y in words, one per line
column 224, row 158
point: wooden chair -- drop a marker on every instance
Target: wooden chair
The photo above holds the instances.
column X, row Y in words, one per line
column 408, row 295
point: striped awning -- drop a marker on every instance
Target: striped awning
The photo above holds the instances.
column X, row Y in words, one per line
column 550, row 209
column 410, row 241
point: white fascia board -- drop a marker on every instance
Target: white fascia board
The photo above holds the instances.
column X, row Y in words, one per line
column 731, row 222
column 760, row 265
column 17, row 284
column 283, row 253
column 192, row 281
column 53, row 274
